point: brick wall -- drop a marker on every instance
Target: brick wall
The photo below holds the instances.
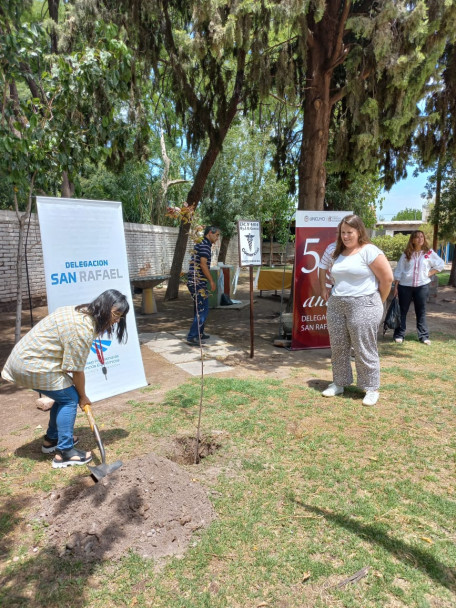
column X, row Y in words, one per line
column 9, row 237
column 150, row 250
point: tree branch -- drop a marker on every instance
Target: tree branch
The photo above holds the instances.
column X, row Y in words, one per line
column 310, row 39
column 335, row 58
column 175, row 182
column 35, row 89
column 274, row 46
column 14, row 96
column 285, row 103
column 343, row 91
column 190, row 95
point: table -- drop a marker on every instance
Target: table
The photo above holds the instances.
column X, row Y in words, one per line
column 147, row 284
column 274, row 279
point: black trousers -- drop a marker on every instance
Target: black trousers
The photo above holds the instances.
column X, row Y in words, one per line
column 419, row 296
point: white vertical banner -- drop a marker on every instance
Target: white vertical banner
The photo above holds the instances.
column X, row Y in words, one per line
column 84, row 254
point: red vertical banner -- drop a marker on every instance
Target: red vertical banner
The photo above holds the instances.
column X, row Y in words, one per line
column 315, row 230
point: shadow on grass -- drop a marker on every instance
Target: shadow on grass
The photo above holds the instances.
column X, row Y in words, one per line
column 350, row 392
column 415, row 557
column 32, row 449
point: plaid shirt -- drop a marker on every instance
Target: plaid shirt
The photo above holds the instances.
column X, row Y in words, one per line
column 58, row 344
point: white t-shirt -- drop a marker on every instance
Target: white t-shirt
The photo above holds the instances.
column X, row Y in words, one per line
column 351, row 274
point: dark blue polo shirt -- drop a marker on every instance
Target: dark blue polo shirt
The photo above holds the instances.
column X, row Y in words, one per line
column 201, row 250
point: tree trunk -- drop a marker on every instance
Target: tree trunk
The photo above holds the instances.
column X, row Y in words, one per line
column 20, row 261
column 67, row 186
column 53, row 6
column 161, row 199
column 224, row 248
column 216, row 139
column 438, row 192
column 196, row 191
column 325, row 51
column 452, row 279
column 22, row 220
column 193, row 198
column 314, row 145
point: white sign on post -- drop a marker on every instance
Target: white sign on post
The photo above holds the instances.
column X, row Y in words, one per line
column 85, row 254
column 249, row 236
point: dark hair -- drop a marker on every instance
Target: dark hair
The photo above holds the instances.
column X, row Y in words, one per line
column 212, row 229
column 101, row 310
column 410, row 248
column 354, row 222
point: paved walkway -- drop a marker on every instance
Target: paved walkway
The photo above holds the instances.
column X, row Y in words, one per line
column 174, row 348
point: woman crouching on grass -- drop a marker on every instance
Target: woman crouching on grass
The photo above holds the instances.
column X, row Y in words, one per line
column 57, row 346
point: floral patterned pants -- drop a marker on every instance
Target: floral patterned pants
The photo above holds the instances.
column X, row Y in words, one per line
column 355, row 322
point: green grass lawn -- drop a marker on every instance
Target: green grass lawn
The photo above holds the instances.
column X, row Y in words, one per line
column 308, row 491
column 443, row 278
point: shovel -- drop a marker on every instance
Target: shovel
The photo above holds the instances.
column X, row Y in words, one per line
column 102, row 469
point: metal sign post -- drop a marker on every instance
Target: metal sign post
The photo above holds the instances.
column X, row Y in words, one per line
column 249, row 238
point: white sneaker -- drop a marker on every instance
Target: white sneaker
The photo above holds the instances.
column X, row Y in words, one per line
column 427, row 342
column 371, row 398
column 333, row 390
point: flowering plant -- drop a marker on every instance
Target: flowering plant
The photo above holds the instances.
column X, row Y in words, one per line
column 186, row 214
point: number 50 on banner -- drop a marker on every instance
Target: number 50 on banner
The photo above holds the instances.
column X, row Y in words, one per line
column 315, row 230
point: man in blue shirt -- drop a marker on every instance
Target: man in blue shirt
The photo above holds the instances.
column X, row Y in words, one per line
column 198, row 277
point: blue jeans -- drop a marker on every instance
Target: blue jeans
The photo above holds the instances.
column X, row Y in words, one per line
column 419, row 296
column 62, row 416
column 200, row 297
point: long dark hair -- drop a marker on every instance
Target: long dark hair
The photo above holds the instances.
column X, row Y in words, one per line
column 410, row 248
column 354, row 222
column 101, row 311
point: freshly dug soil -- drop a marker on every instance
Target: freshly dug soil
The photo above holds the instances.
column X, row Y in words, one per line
column 150, row 505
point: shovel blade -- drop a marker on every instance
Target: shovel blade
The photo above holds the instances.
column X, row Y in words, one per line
column 104, row 469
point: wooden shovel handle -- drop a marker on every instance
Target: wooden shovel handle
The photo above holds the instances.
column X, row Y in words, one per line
column 88, row 410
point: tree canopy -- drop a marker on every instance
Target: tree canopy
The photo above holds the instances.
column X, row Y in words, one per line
column 152, row 89
column 407, row 214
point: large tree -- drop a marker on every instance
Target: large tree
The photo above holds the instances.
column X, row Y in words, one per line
column 55, row 111
column 436, row 140
column 373, row 62
column 210, row 59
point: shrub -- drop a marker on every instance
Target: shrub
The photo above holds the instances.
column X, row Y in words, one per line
column 392, row 246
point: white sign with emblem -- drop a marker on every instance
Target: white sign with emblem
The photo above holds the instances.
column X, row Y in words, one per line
column 249, row 236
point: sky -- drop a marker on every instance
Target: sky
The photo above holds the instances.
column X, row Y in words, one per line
column 404, row 194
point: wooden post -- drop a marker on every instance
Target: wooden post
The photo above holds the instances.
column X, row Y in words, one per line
column 251, row 310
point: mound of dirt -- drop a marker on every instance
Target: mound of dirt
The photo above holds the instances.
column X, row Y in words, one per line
column 150, row 505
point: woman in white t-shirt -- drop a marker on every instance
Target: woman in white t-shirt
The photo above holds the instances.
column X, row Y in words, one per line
column 362, row 279
column 412, row 277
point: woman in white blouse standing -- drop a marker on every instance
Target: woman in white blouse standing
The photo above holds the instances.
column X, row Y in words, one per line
column 362, row 279
column 412, row 276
